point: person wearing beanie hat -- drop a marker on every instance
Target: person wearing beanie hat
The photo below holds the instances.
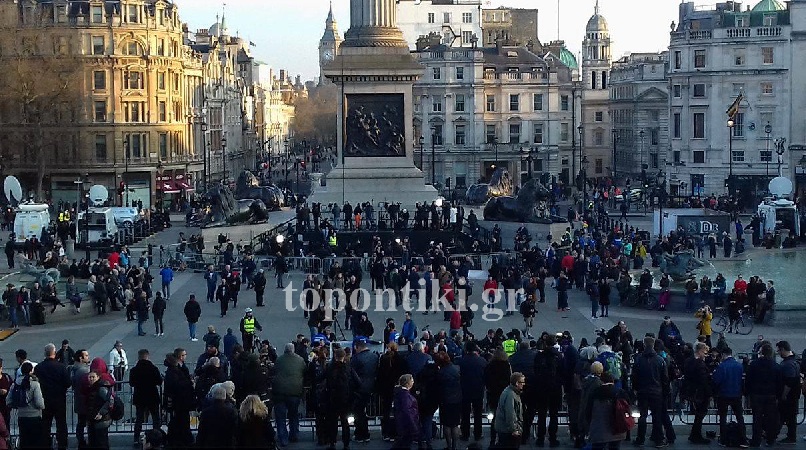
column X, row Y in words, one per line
column 218, row 422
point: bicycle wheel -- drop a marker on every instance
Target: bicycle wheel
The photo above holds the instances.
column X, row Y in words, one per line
column 721, row 324
column 744, row 325
column 651, row 302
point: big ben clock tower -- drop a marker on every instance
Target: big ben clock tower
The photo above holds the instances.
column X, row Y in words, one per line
column 329, row 44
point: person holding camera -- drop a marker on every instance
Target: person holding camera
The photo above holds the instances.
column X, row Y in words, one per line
column 704, row 325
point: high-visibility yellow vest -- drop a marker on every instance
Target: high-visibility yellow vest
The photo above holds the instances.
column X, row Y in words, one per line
column 67, row 216
column 61, row 217
column 509, row 346
column 249, row 325
column 332, row 240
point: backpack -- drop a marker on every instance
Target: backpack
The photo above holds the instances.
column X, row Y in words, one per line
column 623, row 421
column 19, row 397
column 117, row 409
column 546, row 366
column 337, row 384
column 611, row 363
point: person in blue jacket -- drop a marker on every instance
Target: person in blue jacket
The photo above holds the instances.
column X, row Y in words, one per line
column 728, row 380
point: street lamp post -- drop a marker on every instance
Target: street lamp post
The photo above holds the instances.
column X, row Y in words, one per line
column 224, row 156
column 495, row 147
column 204, row 151
column 126, row 152
column 614, row 171
column 768, row 131
column 422, row 144
column 730, row 156
column 779, row 150
column 285, row 164
column 661, row 186
column 83, row 184
column 643, row 172
column 433, row 156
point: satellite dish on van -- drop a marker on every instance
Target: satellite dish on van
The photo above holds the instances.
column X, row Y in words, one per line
column 12, row 190
column 98, row 195
column 780, row 187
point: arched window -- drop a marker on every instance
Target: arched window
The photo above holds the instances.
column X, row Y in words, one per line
column 133, row 48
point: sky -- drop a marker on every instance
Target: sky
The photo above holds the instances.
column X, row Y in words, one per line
column 286, row 33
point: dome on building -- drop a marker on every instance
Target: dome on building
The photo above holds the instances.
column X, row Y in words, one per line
column 769, row 6
column 597, row 23
column 568, row 58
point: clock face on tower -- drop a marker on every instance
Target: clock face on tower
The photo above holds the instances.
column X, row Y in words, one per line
column 327, row 55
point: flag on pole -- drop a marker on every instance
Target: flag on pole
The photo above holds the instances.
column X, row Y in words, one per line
column 734, row 107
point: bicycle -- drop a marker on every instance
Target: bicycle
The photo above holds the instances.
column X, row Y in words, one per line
column 743, row 325
column 642, row 297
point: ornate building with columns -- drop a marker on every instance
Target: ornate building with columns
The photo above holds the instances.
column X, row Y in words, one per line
column 139, row 86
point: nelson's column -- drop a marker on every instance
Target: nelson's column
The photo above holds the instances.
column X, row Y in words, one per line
column 374, row 73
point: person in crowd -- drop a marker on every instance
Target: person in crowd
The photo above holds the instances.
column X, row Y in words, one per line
column 548, row 392
column 391, row 366
column 508, row 421
column 78, row 374
column 179, row 399
column 365, row 364
column 407, row 418
column 697, row 389
column 649, row 376
column 255, row 429
column 99, row 399
column 789, row 392
column 249, row 326
column 192, row 314
column 54, row 380
column 287, row 391
column 26, row 398
column 145, row 380
column 218, row 423
column 598, row 413
column 158, row 310
column 728, row 379
column 340, row 382
column 496, row 376
column 450, row 400
column 763, row 384
column 472, row 367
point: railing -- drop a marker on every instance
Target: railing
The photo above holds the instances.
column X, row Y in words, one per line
column 738, row 32
column 768, row 31
column 698, row 35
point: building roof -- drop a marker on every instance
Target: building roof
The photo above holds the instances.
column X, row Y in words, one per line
column 568, row 58
column 769, row 6
column 511, row 56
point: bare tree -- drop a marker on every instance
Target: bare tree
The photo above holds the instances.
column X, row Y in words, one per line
column 315, row 116
column 41, row 97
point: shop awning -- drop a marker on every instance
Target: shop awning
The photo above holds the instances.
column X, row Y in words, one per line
column 169, row 188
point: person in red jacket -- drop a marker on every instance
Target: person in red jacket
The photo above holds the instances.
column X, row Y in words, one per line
column 490, row 290
column 447, row 289
column 456, row 322
column 740, row 285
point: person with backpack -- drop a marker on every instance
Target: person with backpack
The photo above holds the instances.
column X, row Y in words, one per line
column 528, row 310
column 26, row 398
column 605, row 431
column 549, row 393
column 649, row 376
column 99, row 403
column 612, row 363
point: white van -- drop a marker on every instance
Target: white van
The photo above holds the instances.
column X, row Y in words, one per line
column 99, row 228
column 126, row 216
column 30, row 221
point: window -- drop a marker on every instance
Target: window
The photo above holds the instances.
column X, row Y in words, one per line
column 161, row 47
column 699, row 90
column 654, row 136
column 765, row 156
column 460, row 73
column 767, row 55
column 699, row 125
column 98, row 46
column 99, row 80
column 564, row 132
column 490, row 103
column 437, row 105
column 678, row 59
column 598, row 116
column 490, row 135
column 446, row 17
column 738, row 125
column 132, row 48
column 738, row 57
column 537, row 100
column 467, row 37
column 163, row 143
column 134, row 111
column 134, row 80
column 467, row 17
column 136, row 145
column 514, row 133
column 653, row 160
column 599, row 165
column 767, row 89
column 161, row 110
column 676, row 91
column 97, row 14
column 437, row 73
column 538, row 133
column 459, row 105
column 654, row 115
column 738, row 156
column 131, row 14
column 430, row 17
column 742, row 21
column 699, row 59
column 437, row 130
column 770, row 20
column 604, row 80
column 100, row 147
column 564, row 103
column 514, row 102
column 161, row 81
column 100, row 111
column 594, row 80
column 598, row 137
column 699, row 157
column 459, row 137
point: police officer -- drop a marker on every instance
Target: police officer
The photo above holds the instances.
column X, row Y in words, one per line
column 248, row 326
